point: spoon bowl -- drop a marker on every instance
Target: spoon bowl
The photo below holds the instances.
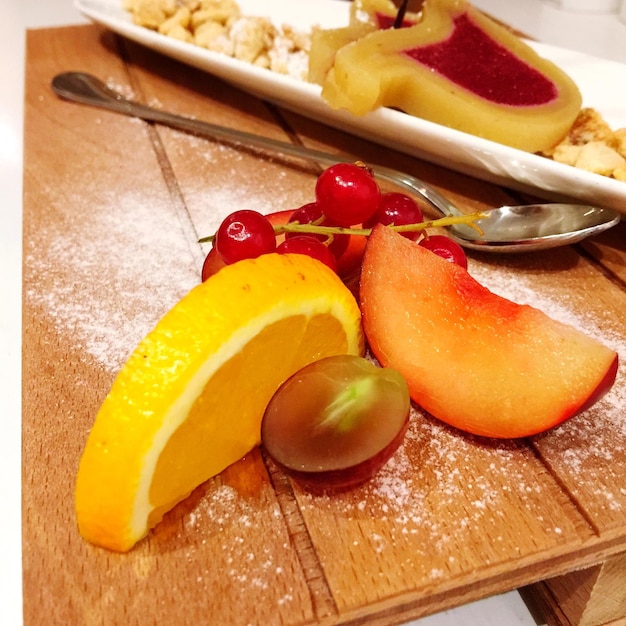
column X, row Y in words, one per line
column 507, row 229
column 535, row 227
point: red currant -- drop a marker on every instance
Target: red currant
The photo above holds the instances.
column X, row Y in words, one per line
column 213, row 263
column 311, row 213
column 347, row 194
column 244, row 234
column 304, row 244
column 398, row 209
column 446, row 248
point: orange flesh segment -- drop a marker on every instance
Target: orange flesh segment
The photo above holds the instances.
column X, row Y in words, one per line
column 229, row 434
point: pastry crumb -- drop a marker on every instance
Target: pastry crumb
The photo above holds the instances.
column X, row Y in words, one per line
column 219, row 26
column 593, row 146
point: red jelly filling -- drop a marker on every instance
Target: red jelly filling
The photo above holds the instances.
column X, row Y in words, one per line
column 481, row 65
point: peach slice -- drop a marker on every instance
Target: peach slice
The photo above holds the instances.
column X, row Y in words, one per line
column 471, row 358
column 458, row 68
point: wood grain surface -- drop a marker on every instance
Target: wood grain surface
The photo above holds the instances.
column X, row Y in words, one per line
column 113, row 208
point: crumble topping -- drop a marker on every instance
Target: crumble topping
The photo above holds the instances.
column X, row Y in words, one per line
column 219, row 26
column 592, row 145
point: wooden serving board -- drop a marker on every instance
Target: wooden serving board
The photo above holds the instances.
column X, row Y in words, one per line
column 113, row 208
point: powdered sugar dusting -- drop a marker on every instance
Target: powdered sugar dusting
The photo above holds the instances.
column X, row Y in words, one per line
column 268, row 188
column 106, row 284
column 227, row 524
column 441, row 504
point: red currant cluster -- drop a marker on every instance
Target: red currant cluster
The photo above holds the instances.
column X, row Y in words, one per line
column 347, row 200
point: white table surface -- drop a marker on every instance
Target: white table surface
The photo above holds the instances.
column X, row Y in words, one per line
column 600, row 35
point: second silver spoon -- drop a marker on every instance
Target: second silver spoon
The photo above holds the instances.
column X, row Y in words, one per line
column 508, row 229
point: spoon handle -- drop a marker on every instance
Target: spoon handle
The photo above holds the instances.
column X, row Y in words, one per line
column 86, row 89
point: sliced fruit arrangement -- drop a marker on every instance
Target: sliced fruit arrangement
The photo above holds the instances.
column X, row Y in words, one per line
column 269, row 349
column 471, row 358
column 190, row 399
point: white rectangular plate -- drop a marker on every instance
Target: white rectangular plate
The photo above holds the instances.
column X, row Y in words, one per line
column 601, row 82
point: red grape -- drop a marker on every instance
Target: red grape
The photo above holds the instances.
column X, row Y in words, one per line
column 305, row 244
column 347, row 194
column 244, row 234
column 336, row 422
column 398, row 209
column 446, row 248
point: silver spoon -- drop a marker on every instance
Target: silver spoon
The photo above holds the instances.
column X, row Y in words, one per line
column 508, row 229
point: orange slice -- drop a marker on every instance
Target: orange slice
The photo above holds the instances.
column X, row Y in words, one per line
column 190, row 399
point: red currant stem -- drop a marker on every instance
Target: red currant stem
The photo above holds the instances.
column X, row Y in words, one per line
column 315, row 229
